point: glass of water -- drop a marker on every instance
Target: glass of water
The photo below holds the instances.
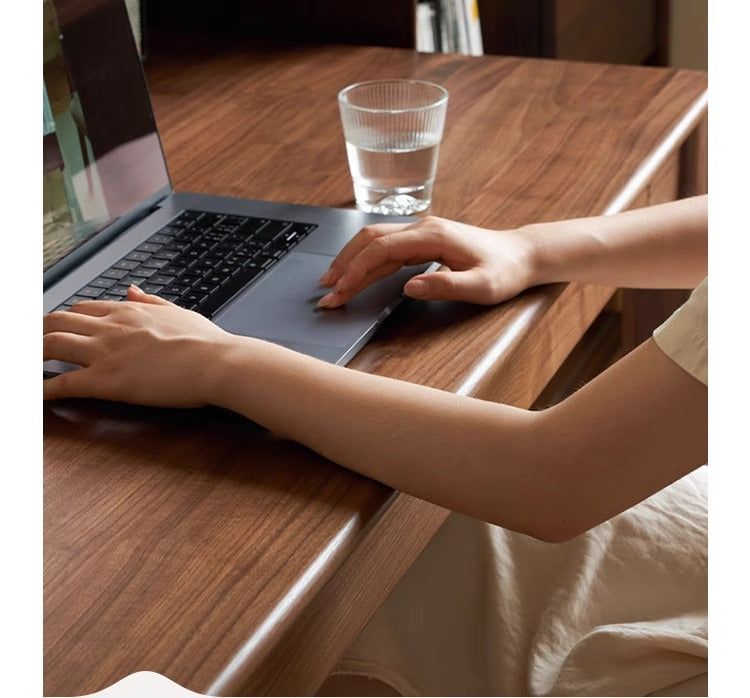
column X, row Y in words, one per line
column 393, row 130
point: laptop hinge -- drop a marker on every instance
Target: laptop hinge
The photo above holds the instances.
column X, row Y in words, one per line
column 104, row 237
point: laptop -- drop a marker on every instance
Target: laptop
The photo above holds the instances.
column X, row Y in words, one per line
column 111, row 217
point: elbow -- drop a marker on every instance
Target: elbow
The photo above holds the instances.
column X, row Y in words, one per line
column 553, row 527
column 556, row 473
column 558, row 533
column 564, row 512
column 554, row 530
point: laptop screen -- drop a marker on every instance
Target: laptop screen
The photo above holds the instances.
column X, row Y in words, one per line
column 102, row 155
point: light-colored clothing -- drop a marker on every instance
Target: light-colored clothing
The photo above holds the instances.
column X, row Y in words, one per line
column 619, row 610
column 684, row 336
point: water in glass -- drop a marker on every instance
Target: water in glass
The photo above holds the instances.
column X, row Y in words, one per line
column 393, row 178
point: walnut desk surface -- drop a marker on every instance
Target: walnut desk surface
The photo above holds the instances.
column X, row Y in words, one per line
column 197, row 545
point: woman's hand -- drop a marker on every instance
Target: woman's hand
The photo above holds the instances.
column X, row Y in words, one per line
column 144, row 350
column 480, row 266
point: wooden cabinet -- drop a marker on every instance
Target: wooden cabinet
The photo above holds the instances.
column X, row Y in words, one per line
column 609, row 31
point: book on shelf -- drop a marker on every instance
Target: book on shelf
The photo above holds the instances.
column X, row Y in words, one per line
column 449, row 26
column 426, row 27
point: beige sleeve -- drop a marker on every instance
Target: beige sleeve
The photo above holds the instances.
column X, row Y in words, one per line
column 684, row 336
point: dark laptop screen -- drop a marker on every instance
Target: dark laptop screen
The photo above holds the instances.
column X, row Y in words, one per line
column 102, row 155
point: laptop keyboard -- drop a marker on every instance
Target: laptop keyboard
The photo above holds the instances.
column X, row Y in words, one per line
column 198, row 260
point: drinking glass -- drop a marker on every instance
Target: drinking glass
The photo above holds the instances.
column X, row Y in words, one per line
column 393, row 130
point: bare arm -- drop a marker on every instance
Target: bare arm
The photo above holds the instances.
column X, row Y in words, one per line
column 550, row 474
column 662, row 246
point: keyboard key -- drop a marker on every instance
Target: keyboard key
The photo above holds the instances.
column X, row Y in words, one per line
column 178, row 270
column 128, row 264
column 205, row 243
column 163, row 237
column 152, row 288
column 264, row 260
column 234, row 220
column 148, row 247
column 130, row 279
column 235, row 239
column 114, row 273
column 208, row 219
column 187, row 217
column 138, row 273
column 296, row 233
column 227, row 291
column 71, row 302
column 190, row 277
column 252, row 225
column 210, row 260
column 167, row 253
column 271, row 230
column 202, row 267
column 144, row 271
column 183, row 240
column 213, row 280
column 177, row 289
column 192, row 300
column 172, row 269
column 161, row 279
column 224, row 270
column 154, row 263
column 138, row 256
column 223, row 229
column 103, row 282
column 90, row 292
column 189, row 256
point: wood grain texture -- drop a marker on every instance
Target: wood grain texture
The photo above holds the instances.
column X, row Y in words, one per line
column 195, row 544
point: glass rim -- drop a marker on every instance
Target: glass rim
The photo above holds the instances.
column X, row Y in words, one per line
column 442, row 99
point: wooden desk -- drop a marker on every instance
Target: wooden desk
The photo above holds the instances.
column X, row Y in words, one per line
column 193, row 543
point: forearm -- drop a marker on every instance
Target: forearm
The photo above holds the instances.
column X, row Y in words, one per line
column 467, row 455
column 663, row 246
column 549, row 474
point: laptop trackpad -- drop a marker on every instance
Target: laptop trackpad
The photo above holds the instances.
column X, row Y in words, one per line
column 282, row 306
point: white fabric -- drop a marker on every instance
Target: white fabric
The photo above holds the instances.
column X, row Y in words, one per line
column 619, row 610
column 684, row 336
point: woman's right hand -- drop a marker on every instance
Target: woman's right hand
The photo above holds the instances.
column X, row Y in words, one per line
column 479, row 265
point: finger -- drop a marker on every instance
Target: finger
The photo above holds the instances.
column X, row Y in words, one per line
column 336, row 298
column 94, row 308
column 412, row 246
column 70, row 384
column 140, row 296
column 471, row 286
column 64, row 321
column 71, row 348
column 352, row 248
column 383, row 256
